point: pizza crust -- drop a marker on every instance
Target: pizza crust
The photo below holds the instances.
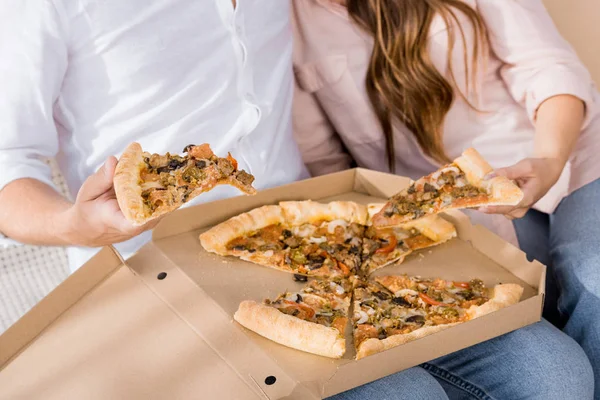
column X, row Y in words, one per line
column 301, row 212
column 502, row 190
column 373, row 346
column 503, row 295
column 215, row 239
column 290, row 331
column 127, row 184
column 433, row 226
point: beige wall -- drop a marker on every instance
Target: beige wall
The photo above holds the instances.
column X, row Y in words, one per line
column 579, row 22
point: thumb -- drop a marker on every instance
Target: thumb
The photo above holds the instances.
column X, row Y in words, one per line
column 98, row 183
column 522, row 169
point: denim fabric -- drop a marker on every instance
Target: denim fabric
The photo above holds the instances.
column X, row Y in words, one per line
column 411, row 384
column 535, row 362
column 573, row 233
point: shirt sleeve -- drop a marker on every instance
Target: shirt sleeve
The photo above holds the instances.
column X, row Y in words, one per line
column 322, row 149
column 540, row 63
column 33, row 60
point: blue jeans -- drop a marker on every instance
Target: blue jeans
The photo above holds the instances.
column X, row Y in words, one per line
column 535, row 362
column 568, row 242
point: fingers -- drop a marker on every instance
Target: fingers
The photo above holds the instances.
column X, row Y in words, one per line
column 115, row 218
column 522, row 169
column 508, row 212
column 98, row 183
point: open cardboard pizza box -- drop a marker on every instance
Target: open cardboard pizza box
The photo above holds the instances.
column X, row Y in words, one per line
column 160, row 324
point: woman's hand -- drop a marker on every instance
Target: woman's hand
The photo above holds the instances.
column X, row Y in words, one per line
column 535, row 177
column 558, row 124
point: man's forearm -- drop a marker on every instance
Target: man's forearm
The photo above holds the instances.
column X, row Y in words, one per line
column 558, row 126
column 32, row 212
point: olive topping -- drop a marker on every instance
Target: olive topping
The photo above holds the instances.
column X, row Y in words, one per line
column 400, row 301
column 314, row 264
column 239, row 247
column 429, row 188
column 347, row 241
column 251, row 250
column 467, row 294
column 354, row 250
column 298, row 298
column 200, row 163
column 328, row 248
column 175, row 164
column 382, row 295
column 411, row 189
column 188, row 148
column 417, row 319
column 286, row 233
column 300, row 278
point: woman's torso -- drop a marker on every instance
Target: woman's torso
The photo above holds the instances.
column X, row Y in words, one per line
column 331, row 59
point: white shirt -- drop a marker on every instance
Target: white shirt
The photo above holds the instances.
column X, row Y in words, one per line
column 80, row 80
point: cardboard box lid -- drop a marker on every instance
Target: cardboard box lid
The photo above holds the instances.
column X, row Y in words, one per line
column 104, row 334
column 118, row 331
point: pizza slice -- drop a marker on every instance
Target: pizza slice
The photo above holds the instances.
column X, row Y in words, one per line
column 300, row 237
column 150, row 185
column 312, row 320
column 460, row 184
column 385, row 246
column 392, row 310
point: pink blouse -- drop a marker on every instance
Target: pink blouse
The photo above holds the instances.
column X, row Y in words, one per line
column 528, row 63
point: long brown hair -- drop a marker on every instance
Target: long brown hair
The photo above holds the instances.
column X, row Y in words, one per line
column 402, row 82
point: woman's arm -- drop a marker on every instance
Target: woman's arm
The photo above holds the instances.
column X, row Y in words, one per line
column 557, row 127
column 539, row 62
column 544, row 74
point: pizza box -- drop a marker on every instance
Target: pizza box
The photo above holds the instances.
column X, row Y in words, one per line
column 159, row 325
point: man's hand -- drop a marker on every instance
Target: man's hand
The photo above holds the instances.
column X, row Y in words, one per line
column 535, row 176
column 96, row 219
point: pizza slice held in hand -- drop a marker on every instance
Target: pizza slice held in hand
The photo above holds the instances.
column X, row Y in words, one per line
column 460, row 184
column 150, row 185
column 392, row 310
column 312, row 320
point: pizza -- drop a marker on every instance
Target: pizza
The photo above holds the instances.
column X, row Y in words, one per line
column 390, row 245
column 150, row 185
column 315, row 239
column 460, row 184
column 313, row 319
column 300, row 237
column 392, row 310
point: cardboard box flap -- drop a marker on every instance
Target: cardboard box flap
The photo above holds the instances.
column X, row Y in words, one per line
column 216, row 327
column 63, row 297
column 377, row 184
column 105, row 334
